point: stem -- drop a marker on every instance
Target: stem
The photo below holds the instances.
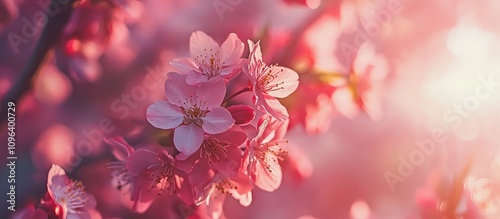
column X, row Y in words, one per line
column 48, row 38
column 247, row 88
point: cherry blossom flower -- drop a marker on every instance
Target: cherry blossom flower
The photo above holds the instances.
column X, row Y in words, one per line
column 215, row 193
column 125, row 180
column 220, row 152
column 161, row 170
column 208, row 59
column 263, row 153
column 269, row 83
column 361, row 91
column 191, row 111
column 69, row 197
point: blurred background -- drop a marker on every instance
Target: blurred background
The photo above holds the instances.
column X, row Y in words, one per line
column 396, row 116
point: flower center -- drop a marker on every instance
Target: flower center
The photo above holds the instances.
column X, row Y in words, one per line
column 193, row 111
column 214, row 150
column 163, row 179
column 209, row 63
column 72, row 195
column 225, row 187
column 266, row 80
column 119, row 173
column 267, row 154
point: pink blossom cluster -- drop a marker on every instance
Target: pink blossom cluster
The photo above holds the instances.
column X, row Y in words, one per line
column 219, row 151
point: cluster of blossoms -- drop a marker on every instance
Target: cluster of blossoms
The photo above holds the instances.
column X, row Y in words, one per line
column 221, row 148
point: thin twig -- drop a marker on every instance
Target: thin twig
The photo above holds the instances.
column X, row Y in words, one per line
column 48, row 38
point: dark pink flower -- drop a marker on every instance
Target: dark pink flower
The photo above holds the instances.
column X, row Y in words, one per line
column 161, row 172
column 220, row 152
column 208, row 59
column 124, row 179
column 192, row 111
column 269, row 83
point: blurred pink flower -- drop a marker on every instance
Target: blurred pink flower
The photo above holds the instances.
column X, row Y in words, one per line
column 269, row 83
column 312, row 107
column 71, row 201
column 125, row 180
column 361, row 91
column 161, row 170
column 209, row 60
column 8, row 10
column 443, row 197
column 191, row 111
column 263, row 153
column 91, row 31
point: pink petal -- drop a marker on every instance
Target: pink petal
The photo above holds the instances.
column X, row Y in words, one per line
column 200, row 174
column 164, row 115
column 242, row 182
column 217, row 120
column 264, row 178
column 119, row 147
column 186, row 162
column 343, row 100
column 274, row 130
column 141, row 194
column 255, row 53
column 250, row 131
column 212, row 92
column 177, row 90
column 56, row 176
column 232, row 49
column 188, row 138
column 184, row 188
column 372, row 105
column 288, row 81
column 242, row 114
column 215, row 203
column 273, row 106
column 298, row 162
column 245, row 199
column 235, row 135
column 142, row 206
column 81, row 214
column 230, row 71
column 141, row 160
column 254, row 63
column 184, row 65
column 195, row 77
column 200, row 44
column 231, row 165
